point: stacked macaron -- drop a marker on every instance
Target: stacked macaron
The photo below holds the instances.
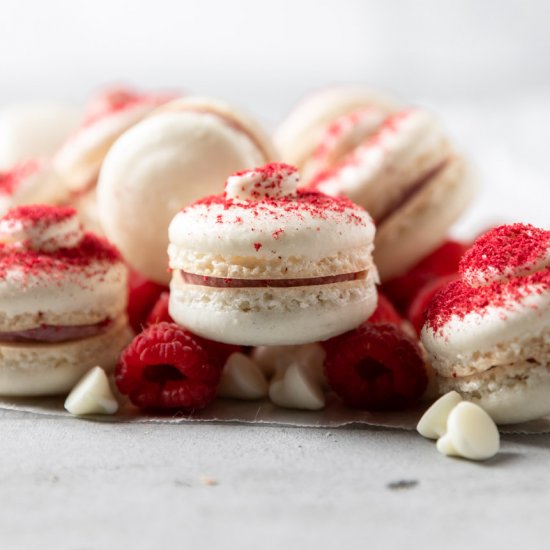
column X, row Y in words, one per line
column 488, row 334
column 62, row 301
column 267, row 263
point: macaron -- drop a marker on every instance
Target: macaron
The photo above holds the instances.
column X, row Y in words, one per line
column 266, row 263
column 301, row 132
column 62, row 301
column 181, row 152
column 409, row 179
column 33, row 131
column 108, row 115
column 488, row 334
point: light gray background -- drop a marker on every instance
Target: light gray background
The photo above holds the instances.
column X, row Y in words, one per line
column 484, row 66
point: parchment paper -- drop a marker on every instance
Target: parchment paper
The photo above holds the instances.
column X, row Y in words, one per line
column 335, row 415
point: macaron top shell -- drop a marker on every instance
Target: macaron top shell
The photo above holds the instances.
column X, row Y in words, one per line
column 405, row 150
column 52, row 272
column 301, row 132
column 263, row 226
column 506, row 252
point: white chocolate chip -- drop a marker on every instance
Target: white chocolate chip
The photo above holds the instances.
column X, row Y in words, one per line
column 471, row 433
column 433, row 423
column 92, row 395
column 242, row 379
column 271, row 359
column 297, row 388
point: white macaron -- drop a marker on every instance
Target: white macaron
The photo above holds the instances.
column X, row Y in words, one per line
column 267, row 264
column 488, row 334
column 183, row 151
column 63, row 295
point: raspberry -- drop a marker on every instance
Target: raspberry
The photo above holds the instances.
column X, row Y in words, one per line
column 142, row 296
column 375, row 366
column 217, row 352
column 159, row 313
column 418, row 306
column 442, row 261
column 385, row 312
column 166, row 368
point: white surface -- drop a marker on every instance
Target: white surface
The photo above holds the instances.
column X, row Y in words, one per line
column 78, row 485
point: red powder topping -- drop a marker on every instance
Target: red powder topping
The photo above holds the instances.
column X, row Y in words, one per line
column 10, row 181
column 506, row 248
column 316, row 204
column 354, row 158
column 257, row 246
column 62, row 262
column 39, row 214
column 459, row 299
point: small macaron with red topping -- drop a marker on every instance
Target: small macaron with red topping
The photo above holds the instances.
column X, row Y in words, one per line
column 324, row 112
column 407, row 176
column 266, row 263
column 488, row 334
column 62, row 301
column 180, row 153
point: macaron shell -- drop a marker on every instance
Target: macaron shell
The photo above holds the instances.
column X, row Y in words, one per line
column 234, row 116
column 53, row 369
column 421, row 224
column 510, row 395
column 300, row 133
column 515, row 333
column 87, row 296
column 160, row 165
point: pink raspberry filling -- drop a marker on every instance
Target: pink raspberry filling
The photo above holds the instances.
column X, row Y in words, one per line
column 52, row 334
column 220, row 282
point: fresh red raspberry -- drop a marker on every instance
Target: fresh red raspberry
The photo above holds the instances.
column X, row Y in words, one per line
column 375, row 366
column 217, row 352
column 142, row 296
column 418, row 306
column 159, row 313
column 166, row 368
column 385, row 312
column 442, row 261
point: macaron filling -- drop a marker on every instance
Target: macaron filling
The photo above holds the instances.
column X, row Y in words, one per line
column 222, row 282
column 411, row 191
column 56, row 334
